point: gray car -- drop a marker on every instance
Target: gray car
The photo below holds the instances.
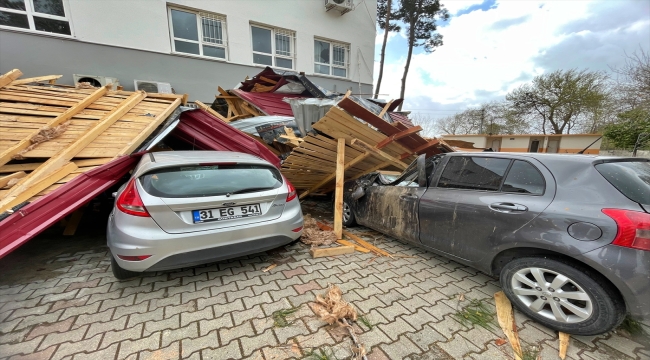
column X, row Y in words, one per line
column 185, row 208
column 568, row 235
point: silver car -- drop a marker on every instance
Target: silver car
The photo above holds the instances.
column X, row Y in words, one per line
column 185, row 208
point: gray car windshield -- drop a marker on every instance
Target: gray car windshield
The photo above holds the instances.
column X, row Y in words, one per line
column 210, row 180
column 631, row 178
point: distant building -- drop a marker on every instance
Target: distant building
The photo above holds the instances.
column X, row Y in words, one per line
column 194, row 46
column 564, row 143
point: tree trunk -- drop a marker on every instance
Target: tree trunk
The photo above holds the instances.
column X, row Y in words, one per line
column 383, row 49
column 414, row 18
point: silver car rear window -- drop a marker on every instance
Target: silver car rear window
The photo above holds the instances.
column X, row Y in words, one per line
column 631, row 178
column 210, row 180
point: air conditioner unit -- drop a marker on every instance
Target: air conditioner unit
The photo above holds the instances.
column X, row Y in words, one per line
column 96, row 81
column 153, row 86
column 341, row 5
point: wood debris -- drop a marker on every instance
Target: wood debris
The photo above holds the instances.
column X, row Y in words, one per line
column 332, row 309
column 313, row 235
column 507, row 322
column 564, row 344
column 268, row 268
column 50, row 134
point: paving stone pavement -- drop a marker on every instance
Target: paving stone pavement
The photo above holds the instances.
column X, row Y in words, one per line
column 224, row 310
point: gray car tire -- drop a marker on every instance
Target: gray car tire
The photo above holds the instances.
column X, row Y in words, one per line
column 119, row 273
column 348, row 216
column 606, row 308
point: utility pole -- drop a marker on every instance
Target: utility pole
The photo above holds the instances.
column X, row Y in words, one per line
column 482, row 119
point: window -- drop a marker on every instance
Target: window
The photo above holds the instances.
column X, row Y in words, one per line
column 631, row 178
column 198, row 33
column 331, row 58
column 524, row 178
column 40, row 15
column 273, row 47
column 475, row 173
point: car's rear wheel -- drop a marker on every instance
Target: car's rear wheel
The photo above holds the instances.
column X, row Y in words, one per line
column 348, row 215
column 562, row 296
column 121, row 273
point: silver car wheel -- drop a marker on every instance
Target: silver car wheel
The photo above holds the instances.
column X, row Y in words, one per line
column 346, row 212
column 552, row 295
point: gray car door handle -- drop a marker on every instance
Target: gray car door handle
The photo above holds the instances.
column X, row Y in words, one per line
column 408, row 197
column 508, row 207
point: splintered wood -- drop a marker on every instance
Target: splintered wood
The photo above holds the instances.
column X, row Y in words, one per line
column 507, row 322
column 50, row 134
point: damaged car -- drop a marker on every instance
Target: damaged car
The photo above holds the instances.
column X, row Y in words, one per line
column 186, row 208
column 567, row 235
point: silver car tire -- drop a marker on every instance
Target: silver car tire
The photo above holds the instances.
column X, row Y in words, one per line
column 562, row 295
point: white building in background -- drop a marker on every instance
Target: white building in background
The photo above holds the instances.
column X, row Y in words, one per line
column 193, row 45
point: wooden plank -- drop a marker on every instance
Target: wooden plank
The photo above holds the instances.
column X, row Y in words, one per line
column 36, row 79
column 429, row 144
column 507, row 322
column 18, row 167
column 211, row 111
column 339, row 250
column 75, row 219
column 399, row 135
column 356, row 247
column 366, row 244
column 333, row 175
column 65, row 155
column 5, row 179
column 231, row 104
column 268, row 80
column 379, row 153
column 338, row 194
column 144, row 133
column 6, row 155
column 385, row 109
column 564, row 344
column 44, row 183
column 9, row 77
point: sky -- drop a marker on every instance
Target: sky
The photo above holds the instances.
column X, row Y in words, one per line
column 493, row 46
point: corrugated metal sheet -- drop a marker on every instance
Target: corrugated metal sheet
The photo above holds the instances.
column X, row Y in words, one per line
column 401, row 118
column 268, row 103
column 206, row 132
column 37, row 216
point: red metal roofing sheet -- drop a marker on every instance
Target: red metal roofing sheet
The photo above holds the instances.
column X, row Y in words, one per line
column 401, row 118
column 268, row 103
column 206, row 132
column 37, row 216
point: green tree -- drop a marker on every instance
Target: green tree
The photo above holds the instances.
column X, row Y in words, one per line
column 624, row 133
column 384, row 11
column 420, row 18
column 557, row 102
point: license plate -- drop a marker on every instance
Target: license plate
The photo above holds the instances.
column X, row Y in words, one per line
column 226, row 213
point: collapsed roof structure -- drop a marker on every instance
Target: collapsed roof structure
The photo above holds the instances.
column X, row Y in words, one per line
column 61, row 146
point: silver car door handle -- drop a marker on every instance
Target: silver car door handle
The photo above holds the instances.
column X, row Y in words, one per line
column 508, row 207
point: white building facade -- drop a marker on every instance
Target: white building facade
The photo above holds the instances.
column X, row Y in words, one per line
column 193, row 45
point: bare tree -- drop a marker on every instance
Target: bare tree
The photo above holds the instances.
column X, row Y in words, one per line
column 428, row 123
column 633, row 80
column 384, row 10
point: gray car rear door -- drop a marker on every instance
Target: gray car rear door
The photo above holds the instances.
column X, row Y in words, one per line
column 481, row 202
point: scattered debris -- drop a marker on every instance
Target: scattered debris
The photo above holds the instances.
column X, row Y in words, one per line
column 507, row 323
column 331, row 251
column 313, row 235
column 461, row 297
column 476, row 313
column 365, row 320
column 320, row 354
column 564, row 344
column 531, row 353
column 280, row 316
column 332, row 309
column 268, row 268
column 631, row 327
column 500, row 341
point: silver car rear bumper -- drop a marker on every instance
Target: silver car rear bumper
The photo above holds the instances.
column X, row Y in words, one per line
column 132, row 235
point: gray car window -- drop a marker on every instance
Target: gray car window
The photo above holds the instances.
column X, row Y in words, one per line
column 631, row 178
column 524, row 178
column 475, row 173
column 210, row 180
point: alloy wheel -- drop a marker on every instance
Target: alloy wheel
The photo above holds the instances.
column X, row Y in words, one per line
column 346, row 212
column 552, row 295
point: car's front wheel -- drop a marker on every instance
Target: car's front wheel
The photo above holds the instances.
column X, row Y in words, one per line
column 121, row 273
column 562, row 296
column 348, row 215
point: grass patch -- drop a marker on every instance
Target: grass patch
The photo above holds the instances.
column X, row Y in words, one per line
column 280, row 316
column 365, row 321
column 631, row 326
column 530, row 353
column 476, row 313
column 321, row 354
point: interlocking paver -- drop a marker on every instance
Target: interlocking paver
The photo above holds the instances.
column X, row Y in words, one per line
column 129, row 347
column 236, row 332
column 400, row 349
column 170, row 352
column 178, row 309
column 190, row 331
column 70, row 348
column 191, row 346
column 130, row 309
column 138, row 318
column 458, row 347
column 102, row 327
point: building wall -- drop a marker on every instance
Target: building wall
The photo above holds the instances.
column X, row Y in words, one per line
column 573, row 144
column 131, row 40
column 521, row 143
column 515, row 144
column 479, row 141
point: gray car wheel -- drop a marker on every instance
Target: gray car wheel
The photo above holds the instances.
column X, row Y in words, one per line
column 348, row 215
column 562, row 296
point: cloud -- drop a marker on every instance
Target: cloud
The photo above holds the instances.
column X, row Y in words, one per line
column 490, row 48
column 506, row 23
column 379, row 38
